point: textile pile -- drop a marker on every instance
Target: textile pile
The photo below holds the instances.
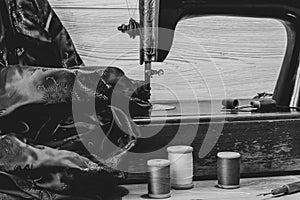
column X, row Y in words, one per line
column 64, row 127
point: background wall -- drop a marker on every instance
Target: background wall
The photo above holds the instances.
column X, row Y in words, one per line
column 211, row 56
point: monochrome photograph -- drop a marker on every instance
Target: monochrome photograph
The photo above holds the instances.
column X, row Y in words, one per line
column 149, row 99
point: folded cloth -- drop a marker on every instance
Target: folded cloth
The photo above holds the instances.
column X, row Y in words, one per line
column 29, row 170
column 71, row 127
column 57, row 107
column 63, row 129
column 32, row 34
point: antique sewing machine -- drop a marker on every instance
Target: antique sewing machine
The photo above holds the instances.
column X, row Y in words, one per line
column 60, row 110
column 259, row 136
column 158, row 20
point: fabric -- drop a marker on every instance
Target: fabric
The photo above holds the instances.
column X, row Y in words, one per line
column 40, row 172
column 41, row 103
column 32, row 34
column 64, row 128
column 86, row 111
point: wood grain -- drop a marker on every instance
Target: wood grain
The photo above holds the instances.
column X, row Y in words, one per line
column 95, row 3
column 268, row 142
column 207, row 190
column 211, row 56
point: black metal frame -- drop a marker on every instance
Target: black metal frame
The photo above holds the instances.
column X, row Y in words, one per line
column 172, row 11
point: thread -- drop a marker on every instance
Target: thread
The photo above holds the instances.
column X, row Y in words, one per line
column 264, row 105
column 181, row 167
column 228, row 170
column 159, row 179
column 230, row 103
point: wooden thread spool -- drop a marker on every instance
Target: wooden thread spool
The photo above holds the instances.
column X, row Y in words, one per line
column 228, row 167
column 159, row 179
column 181, row 161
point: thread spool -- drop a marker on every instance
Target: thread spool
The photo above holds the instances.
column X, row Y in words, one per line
column 264, row 105
column 230, row 103
column 181, row 165
column 159, row 179
column 228, row 170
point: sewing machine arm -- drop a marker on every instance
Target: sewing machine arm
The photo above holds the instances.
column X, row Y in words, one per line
column 158, row 20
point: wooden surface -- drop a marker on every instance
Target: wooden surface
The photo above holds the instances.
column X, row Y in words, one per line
column 206, row 190
column 95, row 3
column 211, row 56
column 268, row 142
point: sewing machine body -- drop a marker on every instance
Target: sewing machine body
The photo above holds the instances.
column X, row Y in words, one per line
column 269, row 142
column 158, row 19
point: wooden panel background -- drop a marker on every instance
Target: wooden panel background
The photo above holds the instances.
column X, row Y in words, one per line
column 267, row 145
column 211, row 56
column 95, row 3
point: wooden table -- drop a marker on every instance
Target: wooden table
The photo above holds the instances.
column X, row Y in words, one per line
column 206, row 190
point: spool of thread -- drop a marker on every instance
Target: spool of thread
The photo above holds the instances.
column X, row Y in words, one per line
column 181, row 164
column 264, row 105
column 230, row 103
column 159, row 179
column 228, row 166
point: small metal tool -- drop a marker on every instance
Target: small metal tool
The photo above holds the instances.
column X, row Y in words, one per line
column 285, row 189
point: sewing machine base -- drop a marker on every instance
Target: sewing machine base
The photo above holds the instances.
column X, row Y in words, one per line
column 268, row 142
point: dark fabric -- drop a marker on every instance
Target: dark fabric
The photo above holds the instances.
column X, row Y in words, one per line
column 40, row 172
column 41, row 103
column 64, row 129
column 84, row 111
column 31, row 34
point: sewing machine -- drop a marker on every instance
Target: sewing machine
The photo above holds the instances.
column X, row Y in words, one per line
column 158, row 20
column 260, row 137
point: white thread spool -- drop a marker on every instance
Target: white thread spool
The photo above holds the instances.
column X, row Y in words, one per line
column 181, row 159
